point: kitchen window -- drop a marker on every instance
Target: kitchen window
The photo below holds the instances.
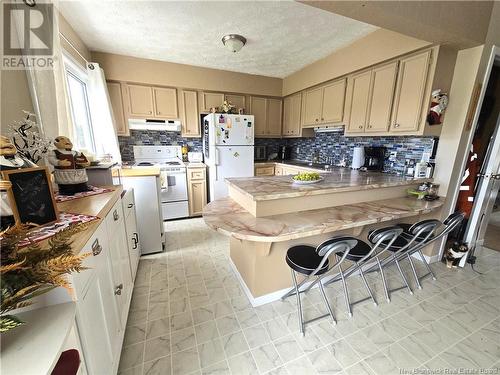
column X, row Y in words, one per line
column 79, row 106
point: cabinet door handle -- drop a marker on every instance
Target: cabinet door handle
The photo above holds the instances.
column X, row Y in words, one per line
column 115, row 215
column 118, row 290
column 130, row 205
column 96, row 248
column 396, row 125
column 361, row 126
column 135, row 238
column 369, row 126
column 322, row 119
column 317, row 120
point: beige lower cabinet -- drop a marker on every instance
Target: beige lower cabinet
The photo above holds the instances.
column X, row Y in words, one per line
column 197, row 190
column 190, row 115
column 264, row 170
column 116, row 99
column 278, row 170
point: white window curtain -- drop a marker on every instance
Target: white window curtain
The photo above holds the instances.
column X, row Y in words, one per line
column 103, row 121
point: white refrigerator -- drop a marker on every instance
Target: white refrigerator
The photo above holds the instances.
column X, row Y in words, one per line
column 228, row 149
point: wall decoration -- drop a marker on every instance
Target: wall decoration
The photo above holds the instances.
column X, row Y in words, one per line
column 34, row 270
column 31, row 196
column 439, row 103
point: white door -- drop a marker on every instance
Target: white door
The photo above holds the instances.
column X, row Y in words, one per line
column 231, row 161
column 234, row 130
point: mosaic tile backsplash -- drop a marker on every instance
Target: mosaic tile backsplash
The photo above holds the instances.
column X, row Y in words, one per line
column 154, row 137
column 339, row 147
column 330, row 145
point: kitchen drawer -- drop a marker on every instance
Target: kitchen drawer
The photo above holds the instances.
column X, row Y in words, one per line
column 114, row 219
column 96, row 246
column 128, row 202
column 196, row 174
column 264, row 171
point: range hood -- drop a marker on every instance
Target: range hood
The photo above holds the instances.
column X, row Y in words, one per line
column 329, row 129
column 153, row 124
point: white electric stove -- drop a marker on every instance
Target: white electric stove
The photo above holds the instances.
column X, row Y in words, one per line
column 173, row 177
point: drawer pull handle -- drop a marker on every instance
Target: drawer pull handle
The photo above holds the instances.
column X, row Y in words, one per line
column 96, row 248
column 130, row 205
column 136, row 240
column 115, row 215
column 396, row 125
column 118, row 290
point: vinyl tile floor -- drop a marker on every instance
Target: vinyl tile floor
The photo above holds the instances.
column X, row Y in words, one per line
column 189, row 315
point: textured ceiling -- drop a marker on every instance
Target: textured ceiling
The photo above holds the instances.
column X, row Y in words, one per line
column 282, row 36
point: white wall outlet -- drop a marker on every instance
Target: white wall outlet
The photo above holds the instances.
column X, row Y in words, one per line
column 393, row 155
column 298, row 149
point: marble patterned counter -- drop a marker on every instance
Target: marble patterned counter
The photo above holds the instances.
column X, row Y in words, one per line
column 336, row 181
column 229, row 218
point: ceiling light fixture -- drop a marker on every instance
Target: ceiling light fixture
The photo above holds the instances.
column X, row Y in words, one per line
column 234, row 42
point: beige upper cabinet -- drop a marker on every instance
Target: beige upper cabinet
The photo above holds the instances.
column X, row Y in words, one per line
column 358, row 93
column 140, row 101
column 258, row 108
column 274, row 110
column 115, row 96
column 332, row 109
column 325, row 104
column 237, row 100
column 407, row 114
column 383, row 80
column 210, row 100
column 165, row 100
column 190, row 114
column 312, row 106
column 291, row 115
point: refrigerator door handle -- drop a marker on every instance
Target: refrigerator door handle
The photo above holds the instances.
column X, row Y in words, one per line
column 216, row 156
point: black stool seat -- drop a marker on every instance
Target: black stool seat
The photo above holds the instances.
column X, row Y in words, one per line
column 398, row 243
column 304, row 259
column 358, row 251
column 407, row 234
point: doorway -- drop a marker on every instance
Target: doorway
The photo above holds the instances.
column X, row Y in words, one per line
column 481, row 203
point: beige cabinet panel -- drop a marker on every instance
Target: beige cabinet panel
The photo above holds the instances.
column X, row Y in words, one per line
column 291, row 115
column 381, row 97
column 264, row 171
column 407, row 114
column 210, row 100
column 116, row 98
column 197, row 190
column 359, row 91
column 274, row 109
column 333, row 102
column 140, row 101
column 236, row 100
column 190, row 117
column 165, row 102
column 312, row 106
column 258, row 108
column 278, row 170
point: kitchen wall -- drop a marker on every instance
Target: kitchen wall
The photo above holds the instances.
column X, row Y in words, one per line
column 154, row 137
column 338, row 146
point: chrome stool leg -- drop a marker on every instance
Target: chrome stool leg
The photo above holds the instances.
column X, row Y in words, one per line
column 299, row 305
column 402, row 275
column 386, row 291
column 367, row 286
column 322, row 290
column 346, row 293
column 426, row 265
column 414, row 271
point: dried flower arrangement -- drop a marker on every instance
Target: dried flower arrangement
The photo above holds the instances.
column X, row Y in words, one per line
column 27, row 272
column 227, row 107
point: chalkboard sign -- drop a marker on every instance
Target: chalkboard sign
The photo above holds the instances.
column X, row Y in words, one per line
column 31, row 197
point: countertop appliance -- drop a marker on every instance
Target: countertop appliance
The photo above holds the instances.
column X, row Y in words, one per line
column 195, row 157
column 228, row 146
column 173, row 177
column 358, row 157
column 154, row 124
column 374, row 158
column 260, row 152
column 285, row 152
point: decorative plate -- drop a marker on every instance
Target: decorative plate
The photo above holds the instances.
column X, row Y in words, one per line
column 298, row 182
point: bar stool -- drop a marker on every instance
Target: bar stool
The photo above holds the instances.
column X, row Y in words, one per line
column 313, row 261
column 360, row 255
column 418, row 234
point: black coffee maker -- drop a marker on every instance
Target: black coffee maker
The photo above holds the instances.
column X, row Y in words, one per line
column 374, row 158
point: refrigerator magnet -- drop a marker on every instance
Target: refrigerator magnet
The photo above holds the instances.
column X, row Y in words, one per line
column 229, row 123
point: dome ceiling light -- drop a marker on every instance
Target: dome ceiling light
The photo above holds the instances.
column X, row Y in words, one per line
column 234, row 42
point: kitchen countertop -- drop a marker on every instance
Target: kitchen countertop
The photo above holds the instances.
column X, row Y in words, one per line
column 229, row 218
column 136, row 172
column 337, row 180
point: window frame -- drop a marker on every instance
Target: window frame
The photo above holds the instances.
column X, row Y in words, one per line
column 78, row 73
